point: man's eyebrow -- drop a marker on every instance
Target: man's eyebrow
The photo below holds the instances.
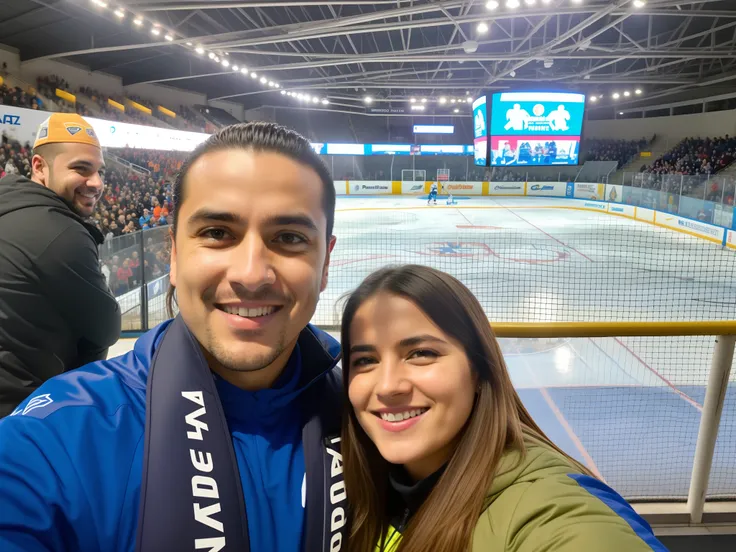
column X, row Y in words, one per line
column 205, row 214
column 292, row 220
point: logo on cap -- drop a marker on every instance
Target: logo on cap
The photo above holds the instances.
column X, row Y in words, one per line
column 43, row 132
column 73, row 129
column 90, row 132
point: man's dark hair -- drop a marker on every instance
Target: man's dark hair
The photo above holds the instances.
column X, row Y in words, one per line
column 258, row 137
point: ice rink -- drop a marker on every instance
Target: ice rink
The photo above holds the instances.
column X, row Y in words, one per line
column 627, row 407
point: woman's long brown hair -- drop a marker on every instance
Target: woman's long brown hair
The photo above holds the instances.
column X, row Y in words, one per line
column 499, row 421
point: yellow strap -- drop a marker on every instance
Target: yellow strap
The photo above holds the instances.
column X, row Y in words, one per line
column 391, row 543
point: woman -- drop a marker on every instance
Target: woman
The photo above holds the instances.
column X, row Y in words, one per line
column 439, row 452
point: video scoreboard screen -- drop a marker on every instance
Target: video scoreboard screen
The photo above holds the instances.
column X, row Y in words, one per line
column 536, row 128
column 480, row 131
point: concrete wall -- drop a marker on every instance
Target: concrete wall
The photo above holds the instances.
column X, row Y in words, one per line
column 677, row 127
column 76, row 75
column 10, row 56
column 166, row 96
column 234, row 109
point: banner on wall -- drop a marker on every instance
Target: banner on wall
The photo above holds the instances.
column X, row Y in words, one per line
column 700, row 229
column 614, row 193
column 585, row 190
column 506, row 188
column 548, row 189
column 371, row 187
column 463, row 188
column 412, row 187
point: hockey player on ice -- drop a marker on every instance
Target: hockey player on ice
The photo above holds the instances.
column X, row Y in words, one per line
column 432, row 194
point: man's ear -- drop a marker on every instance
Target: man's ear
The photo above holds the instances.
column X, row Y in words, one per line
column 39, row 170
column 172, row 262
column 326, row 269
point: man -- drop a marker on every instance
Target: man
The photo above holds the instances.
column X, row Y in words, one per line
column 220, row 430
column 56, row 308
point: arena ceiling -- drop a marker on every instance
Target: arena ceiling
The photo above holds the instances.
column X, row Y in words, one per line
column 391, row 51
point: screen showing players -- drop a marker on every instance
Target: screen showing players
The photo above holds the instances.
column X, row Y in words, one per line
column 480, row 131
column 536, row 128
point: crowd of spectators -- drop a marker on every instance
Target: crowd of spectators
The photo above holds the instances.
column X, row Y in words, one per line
column 696, row 156
column 16, row 96
column 621, row 151
column 14, row 158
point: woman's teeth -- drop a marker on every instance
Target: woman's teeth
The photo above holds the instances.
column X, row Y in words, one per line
column 401, row 416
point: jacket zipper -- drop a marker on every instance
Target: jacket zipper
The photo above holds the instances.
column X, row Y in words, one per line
column 404, row 521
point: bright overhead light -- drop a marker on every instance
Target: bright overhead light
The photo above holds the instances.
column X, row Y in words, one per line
column 254, row 75
column 637, row 91
column 189, row 43
column 99, row 3
column 169, row 37
column 216, row 59
column 199, row 50
column 264, row 80
column 120, row 13
column 469, row 100
column 639, row 3
column 138, row 21
column 482, row 27
column 283, row 92
column 593, row 99
column 211, row 55
column 453, row 100
column 300, row 96
column 577, row 1
column 456, row 110
column 424, row 100
column 270, row 83
column 244, row 70
column 616, row 95
column 620, row 112
column 491, row 5
column 627, row 93
column 530, row 2
column 307, row 97
column 225, row 63
column 368, row 100
column 513, row 4
column 276, row 85
column 235, row 68
column 315, row 100
column 412, row 100
column 417, row 108
column 325, row 101
column 546, row 1
column 155, row 31
column 443, row 100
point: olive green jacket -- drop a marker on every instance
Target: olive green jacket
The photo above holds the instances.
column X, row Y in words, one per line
column 543, row 503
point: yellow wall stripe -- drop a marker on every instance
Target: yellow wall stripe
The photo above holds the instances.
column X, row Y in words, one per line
column 63, row 94
column 168, row 112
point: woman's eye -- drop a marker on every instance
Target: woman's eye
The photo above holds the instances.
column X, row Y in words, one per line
column 361, row 361
column 423, row 353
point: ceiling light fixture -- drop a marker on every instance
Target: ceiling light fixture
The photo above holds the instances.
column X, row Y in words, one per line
column 482, row 27
column 368, row 100
column 491, row 5
column 254, row 75
column 616, row 96
column 325, row 101
column 443, row 100
column 169, row 37
column 120, row 13
column 225, row 63
column 627, row 93
column 264, row 80
column 512, row 4
column 637, row 91
column 138, row 21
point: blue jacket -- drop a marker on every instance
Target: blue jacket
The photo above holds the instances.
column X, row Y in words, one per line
column 71, row 456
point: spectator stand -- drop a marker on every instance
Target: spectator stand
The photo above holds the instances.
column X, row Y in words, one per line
column 18, row 93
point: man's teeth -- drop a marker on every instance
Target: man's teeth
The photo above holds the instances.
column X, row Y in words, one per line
column 400, row 416
column 249, row 313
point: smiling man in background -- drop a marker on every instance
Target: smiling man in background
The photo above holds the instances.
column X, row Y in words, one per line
column 56, row 308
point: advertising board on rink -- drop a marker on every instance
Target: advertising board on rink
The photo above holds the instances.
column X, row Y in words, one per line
column 462, row 188
column 370, row 187
column 585, row 190
column 506, row 188
column 546, row 189
column 412, row 187
column 622, row 209
column 700, row 229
